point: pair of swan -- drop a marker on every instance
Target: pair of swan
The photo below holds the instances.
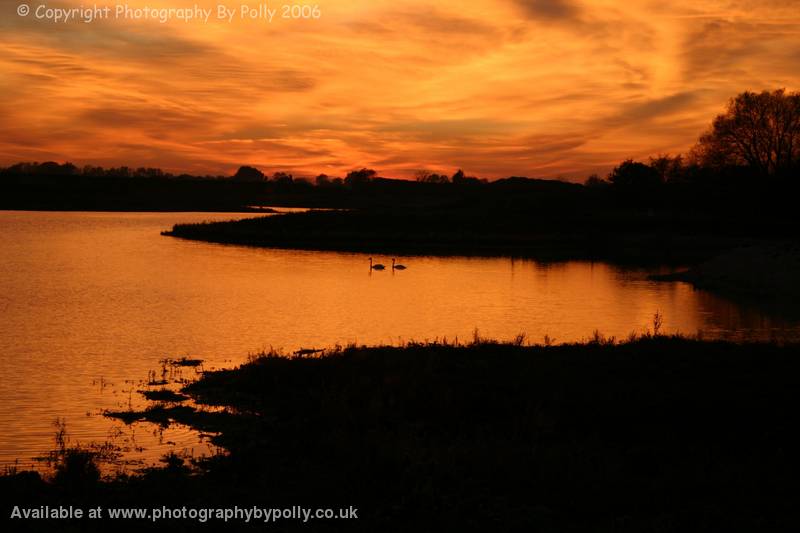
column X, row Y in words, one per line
column 378, row 266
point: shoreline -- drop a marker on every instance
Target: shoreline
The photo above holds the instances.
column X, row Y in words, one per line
column 653, row 429
column 759, row 271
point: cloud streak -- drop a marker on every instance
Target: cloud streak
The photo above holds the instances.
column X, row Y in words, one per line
column 550, row 10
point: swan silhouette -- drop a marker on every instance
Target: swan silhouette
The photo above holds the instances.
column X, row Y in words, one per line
column 376, row 266
column 396, row 266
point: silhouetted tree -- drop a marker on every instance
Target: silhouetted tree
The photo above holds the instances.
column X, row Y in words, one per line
column 92, row 171
column 635, row 176
column 460, row 179
column 669, row 168
column 68, row 169
column 148, row 173
column 322, row 180
column 282, row 178
column 48, row 168
column 424, row 176
column 121, row 172
column 248, row 174
column 359, row 177
column 758, row 130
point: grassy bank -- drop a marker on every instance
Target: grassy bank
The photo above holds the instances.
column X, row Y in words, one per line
column 654, row 434
column 625, row 235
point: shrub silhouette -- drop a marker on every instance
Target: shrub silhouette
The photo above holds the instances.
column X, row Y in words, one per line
column 248, row 174
column 361, row 177
column 635, row 176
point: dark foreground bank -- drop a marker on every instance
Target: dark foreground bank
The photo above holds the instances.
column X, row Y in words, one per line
column 655, row 434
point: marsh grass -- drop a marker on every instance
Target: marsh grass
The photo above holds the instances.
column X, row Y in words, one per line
column 163, row 395
column 78, row 464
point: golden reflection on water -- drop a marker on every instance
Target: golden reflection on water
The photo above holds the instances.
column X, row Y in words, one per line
column 89, row 298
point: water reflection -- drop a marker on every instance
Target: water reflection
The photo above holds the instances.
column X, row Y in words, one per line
column 87, row 297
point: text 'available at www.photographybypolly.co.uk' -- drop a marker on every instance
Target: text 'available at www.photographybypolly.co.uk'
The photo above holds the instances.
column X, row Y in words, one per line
column 202, row 514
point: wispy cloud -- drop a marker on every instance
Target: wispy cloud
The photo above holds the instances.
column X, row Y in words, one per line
column 549, row 9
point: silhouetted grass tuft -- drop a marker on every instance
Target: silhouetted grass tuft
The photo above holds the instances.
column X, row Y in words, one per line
column 163, row 395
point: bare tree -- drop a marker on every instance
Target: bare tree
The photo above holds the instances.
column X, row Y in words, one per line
column 759, row 130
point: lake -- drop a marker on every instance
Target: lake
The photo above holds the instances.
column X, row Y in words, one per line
column 92, row 302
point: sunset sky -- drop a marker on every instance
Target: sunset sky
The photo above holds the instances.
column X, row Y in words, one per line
column 549, row 88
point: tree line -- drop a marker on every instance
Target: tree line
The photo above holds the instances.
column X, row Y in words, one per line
column 756, row 137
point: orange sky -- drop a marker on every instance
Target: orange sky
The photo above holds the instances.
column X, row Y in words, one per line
column 542, row 88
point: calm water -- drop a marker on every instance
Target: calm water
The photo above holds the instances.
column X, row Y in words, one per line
column 91, row 302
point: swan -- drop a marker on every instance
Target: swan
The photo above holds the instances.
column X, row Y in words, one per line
column 397, row 267
column 376, row 266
